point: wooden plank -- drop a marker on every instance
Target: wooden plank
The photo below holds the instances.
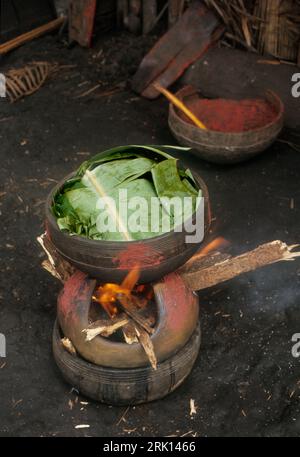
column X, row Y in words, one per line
column 149, row 15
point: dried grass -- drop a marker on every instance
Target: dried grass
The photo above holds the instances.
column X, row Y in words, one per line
column 264, row 26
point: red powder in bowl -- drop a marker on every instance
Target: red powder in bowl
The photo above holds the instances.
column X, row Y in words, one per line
column 222, row 115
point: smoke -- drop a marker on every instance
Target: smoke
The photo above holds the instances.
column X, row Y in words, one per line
column 272, row 289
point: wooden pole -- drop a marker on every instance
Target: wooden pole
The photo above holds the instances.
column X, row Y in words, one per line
column 22, row 39
column 149, row 15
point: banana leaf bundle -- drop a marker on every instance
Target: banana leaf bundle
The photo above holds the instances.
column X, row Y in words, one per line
column 126, row 174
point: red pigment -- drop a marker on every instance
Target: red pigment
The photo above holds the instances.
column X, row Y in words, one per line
column 139, row 255
column 233, row 116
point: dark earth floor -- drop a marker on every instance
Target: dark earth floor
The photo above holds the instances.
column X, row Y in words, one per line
column 245, row 381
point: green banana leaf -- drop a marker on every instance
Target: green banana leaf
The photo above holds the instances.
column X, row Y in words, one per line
column 141, row 171
column 122, row 152
column 78, row 206
column 168, row 184
column 83, row 202
column 113, row 174
column 167, row 180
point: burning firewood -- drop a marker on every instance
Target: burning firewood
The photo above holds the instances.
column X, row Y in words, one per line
column 131, row 311
column 105, row 327
column 206, row 269
column 133, row 333
column 147, row 344
column 129, row 333
column 216, row 269
column 200, row 272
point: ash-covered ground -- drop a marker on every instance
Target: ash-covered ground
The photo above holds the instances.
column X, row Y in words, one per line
column 245, row 381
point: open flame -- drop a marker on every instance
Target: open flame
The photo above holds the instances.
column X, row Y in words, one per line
column 109, row 294
column 214, row 245
column 128, row 293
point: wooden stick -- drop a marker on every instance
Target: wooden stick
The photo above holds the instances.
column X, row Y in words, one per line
column 131, row 311
column 147, row 345
column 22, row 39
column 129, row 333
column 223, row 270
column 55, row 264
column 101, row 192
column 173, row 99
column 134, row 333
column 89, row 91
column 105, row 327
column 68, row 345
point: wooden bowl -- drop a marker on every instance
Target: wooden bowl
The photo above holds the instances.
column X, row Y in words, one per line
column 224, row 147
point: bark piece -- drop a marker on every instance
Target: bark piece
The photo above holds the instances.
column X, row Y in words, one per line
column 129, row 333
column 221, row 270
column 55, row 264
column 105, row 327
column 147, row 345
column 134, row 333
column 131, row 311
column 68, row 345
